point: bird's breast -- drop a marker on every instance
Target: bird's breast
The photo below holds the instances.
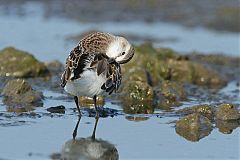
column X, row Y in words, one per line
column 89, row 84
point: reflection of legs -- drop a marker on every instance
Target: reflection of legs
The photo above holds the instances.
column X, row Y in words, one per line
column 95, row 127
column 95, row 105
column 78, row 108
column 76, row 128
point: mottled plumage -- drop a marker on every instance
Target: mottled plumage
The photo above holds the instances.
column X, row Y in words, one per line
column 94, row 65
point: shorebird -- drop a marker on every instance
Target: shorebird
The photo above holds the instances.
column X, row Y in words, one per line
column 93, row 67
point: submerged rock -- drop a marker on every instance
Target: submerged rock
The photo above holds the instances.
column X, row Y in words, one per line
column 19, row 96
column 136, row 118
column 103, row 112
column 193, row 127
column 88, row 102
column 227, row 112
column 204, row 109
column 18, row 63
column 57, row 109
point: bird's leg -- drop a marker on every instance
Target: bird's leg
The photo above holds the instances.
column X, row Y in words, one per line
column 74, row 134
column 95, row 105
column 95, row 127
column 77, row 104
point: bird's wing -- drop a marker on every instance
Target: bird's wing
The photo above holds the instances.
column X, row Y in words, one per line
column 114, row 78
column 75, row 64
column 108, row 68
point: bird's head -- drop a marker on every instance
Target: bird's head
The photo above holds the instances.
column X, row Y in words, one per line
column 121, row 50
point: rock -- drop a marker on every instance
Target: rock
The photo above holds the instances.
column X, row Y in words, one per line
column 193, row 127
column 204, row 109
column 57, row 109
column 103, row 112
column 226, row 127
column 138, row 108
column 227, row 112
column 55, row 67
column 191, row 72
column 216, row 59
column 18, row 63
column 136, row 91
column 154, row 65
column 136, row 118
column 19, row 96
column 227, row 66
column 170, row 94
column 207, row 77
column 137, row 96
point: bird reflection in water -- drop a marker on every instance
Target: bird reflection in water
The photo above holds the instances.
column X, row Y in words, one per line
column 88, row 148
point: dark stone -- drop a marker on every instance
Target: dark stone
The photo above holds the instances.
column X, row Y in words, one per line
column 57, row 109
column 204, row 109
column 227, row 112
column 20, row 97
column 193, row 127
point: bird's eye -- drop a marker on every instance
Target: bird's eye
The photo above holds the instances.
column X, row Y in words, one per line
column 123, row 53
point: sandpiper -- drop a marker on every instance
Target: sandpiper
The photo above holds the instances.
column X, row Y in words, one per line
column 93, row 66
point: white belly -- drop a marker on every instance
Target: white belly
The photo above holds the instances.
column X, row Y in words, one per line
column 88, row 85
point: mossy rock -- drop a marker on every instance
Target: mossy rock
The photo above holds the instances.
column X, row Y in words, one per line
column 227, row 112
column 203, row 109
column 151, row 61
column 161, row 53
column 155, row 65
column 138, row 91
column 20, row 97
column 227, row 127
column 17, row 63
column 193, row 127
column 170, row 94
column 207, row 77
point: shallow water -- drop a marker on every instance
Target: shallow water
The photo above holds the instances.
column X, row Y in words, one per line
column 154, row 138
column 37, row 137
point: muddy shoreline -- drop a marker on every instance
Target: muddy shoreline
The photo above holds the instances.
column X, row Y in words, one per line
column 217, row 15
